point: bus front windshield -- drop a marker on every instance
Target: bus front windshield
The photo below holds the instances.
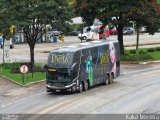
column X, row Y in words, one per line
column 58, row 76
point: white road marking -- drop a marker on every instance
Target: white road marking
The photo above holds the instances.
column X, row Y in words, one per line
column 3, row 106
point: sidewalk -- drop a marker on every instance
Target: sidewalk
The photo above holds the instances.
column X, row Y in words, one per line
column 143, row 46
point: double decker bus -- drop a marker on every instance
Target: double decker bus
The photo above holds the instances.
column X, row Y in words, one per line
column 81, row 66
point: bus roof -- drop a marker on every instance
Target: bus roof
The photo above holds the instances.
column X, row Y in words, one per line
column 79, row 46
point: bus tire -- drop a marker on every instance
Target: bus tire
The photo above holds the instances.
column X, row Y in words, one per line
column 73, row 89
column 85, row 85
column 80, row 87
column 106, row 80
column 111, row 78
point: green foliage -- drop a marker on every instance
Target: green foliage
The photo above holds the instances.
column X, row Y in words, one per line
column 15, row 66
column 157, row 48
column 151, row 50
column 123, row 11
column 11, row 66
column 11, row 71
column 133, row 51
column 141, row 52
column 140, row 55
column 5, row 20
column 158, row 1
column 17, row 77
column 32, row 16
column 145, row 54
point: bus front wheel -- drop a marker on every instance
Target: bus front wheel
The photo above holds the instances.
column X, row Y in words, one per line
column 73, row 89
column 80, row 87
column 85, row 85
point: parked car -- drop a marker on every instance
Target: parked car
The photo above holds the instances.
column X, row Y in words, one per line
column 113, row 30
column 54, row 32
column 128, row 30
column 74, row 33
column 143, row 29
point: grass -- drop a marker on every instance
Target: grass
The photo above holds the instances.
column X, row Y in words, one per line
column 141, row 55
column 18, row 77
column 155, row 55
column 11, row 71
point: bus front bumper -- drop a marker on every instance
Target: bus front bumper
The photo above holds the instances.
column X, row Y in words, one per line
column 63, row 87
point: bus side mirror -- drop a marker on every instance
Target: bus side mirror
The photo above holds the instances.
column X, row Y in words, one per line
column 73, row 66
column 44, row 68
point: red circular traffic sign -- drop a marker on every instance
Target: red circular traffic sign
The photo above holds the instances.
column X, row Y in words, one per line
column 24, row 69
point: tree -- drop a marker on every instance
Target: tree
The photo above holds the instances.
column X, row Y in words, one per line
column 116, row 12
column 6, row 26
column 144, row 13
column 32, row 16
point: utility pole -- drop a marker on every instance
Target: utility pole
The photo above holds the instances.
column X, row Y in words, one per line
column 3, row 50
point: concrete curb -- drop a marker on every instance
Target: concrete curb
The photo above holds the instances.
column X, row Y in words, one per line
column 31, row 83
column 150, row 62
column 11, row 80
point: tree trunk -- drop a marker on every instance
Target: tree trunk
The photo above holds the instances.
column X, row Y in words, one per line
column 137, row 36
column 32, row 58
column 3, row 49
column 120, row 38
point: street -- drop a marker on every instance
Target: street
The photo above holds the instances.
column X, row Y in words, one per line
column 135, row 91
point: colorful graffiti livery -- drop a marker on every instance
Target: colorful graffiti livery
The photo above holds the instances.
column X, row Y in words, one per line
column 87, row 65
column 89, row 69
column 104, row 59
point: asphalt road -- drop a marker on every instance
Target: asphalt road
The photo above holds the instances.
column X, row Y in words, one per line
column 135, row 91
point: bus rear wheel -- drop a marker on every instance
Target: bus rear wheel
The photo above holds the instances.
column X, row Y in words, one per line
column 106, row 80
column 111, row 79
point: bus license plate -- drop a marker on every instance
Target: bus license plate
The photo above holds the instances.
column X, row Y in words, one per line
column 58, row 91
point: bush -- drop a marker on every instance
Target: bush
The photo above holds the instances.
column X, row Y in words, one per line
column 132, row 51
column 11, row 66
column 140, row 55
column 157, row 48
column 141, row 52
column 151, row 50
column 15, row 66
